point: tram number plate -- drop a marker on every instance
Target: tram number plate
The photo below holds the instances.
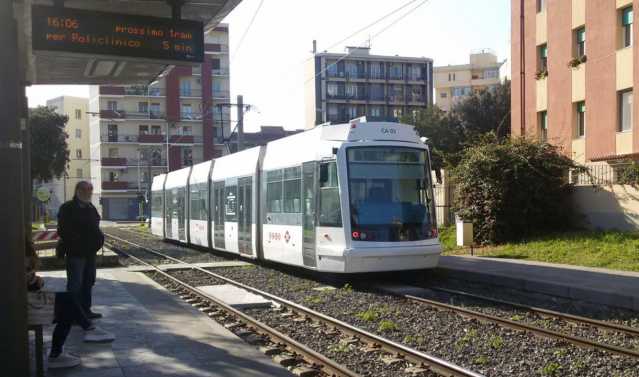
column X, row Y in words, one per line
column 272, row 236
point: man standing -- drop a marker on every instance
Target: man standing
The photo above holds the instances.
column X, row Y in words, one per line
column 79, row 229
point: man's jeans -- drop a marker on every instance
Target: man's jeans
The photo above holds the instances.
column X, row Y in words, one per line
column 67, row 313
column 80, row 279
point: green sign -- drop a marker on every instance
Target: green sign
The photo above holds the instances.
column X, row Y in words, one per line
column 43, row 194
column 101, row 33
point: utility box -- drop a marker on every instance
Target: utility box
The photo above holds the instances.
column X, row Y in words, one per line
column 464, row 232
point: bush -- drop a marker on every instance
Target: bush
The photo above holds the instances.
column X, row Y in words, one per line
column 513, row 189
column 629, row 174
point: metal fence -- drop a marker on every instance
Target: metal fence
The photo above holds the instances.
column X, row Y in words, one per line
column 444, row 196
column 598, row 175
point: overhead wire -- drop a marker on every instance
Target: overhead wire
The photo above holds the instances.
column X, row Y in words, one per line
column 422, row 3
column 248, row 28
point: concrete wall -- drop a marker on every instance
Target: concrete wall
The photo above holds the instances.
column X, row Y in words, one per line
column 609, row 207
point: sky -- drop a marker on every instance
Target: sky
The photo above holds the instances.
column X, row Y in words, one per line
column 268, row 67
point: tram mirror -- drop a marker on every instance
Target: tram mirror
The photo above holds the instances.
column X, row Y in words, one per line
column 323, row 173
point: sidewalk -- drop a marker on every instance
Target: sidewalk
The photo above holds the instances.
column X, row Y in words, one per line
column 594, row 285
column 156, row 335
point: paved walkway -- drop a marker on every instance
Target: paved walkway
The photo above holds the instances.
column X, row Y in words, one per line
column 157, row 335
column 595, row 285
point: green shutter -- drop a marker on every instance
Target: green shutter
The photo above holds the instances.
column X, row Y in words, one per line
column 627, row 17
column 581, row 107
column 544, row 51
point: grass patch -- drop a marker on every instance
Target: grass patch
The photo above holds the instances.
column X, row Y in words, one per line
column 369, row 315
column 609, row 249
column 496, row 342
column 551, row 369
column 314, row 299
column 386, row 325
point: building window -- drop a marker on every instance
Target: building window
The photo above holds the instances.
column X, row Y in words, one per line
column 143, row 129
column 217, row 88
column 113, row 176
column 543, row 126
column 155, row 110
column 396, row 72
column 376, row 71
column 156, row 130
column 625, row 110
column 187, row 131
column 78, row 133
column 542, row 58
column 143, row 107
column 78, row 114
column 114, row 153
column 541, row 6
column 626, row 26
column 78, row 173
column 580, row 42
column 112, row 133
column 375, row 111
column 112, row 105
column 78, row 153
column 491, row 73
column 187, row 157
column 187, row 111
column 581, row 119
column 352, row 112
column 185, row 87
column 443, row 95
column 397, row 112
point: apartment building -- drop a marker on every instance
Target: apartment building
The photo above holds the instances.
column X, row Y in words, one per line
column 138, row 132
column 454, row 82
column 79, row 166
column 265, row 135
column 345, row 86
column 579, row 65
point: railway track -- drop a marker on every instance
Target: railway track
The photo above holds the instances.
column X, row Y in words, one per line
column 422, row 363
column 516, row 325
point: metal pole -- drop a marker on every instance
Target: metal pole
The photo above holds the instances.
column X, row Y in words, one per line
column 14, row 351
column 240, row 122
column 522, row 73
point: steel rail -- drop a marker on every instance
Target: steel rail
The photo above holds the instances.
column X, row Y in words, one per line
column 435, row 364
column 546, row 312
column 327, row 365
column 579, row 341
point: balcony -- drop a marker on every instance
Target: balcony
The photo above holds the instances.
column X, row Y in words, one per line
column 195, row 93
column 377, row 76
column 133, row 138
column 356, row 75
column 396, row 98
column 117, row 185
column 220, row 72
column 186, row 139
column 416, row 78
column 215, row 47
column 190, row 116
column 122, row 114
column 151, row 138
column 417, row 98
column 114, row 161
column 221, row 94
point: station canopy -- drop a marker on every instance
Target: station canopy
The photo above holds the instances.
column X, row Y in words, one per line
column 113, row 41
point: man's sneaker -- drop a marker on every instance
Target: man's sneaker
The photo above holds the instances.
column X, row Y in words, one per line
column 92, row 315
column 97, row 335
column 63, row 360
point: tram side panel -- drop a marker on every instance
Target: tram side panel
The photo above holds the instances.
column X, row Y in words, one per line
column 176, row 199
column 157, row 205
column 199, row 204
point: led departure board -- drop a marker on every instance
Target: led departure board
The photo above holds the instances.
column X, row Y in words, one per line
column 102, row 33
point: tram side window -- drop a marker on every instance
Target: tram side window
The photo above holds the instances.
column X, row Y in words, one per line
column 199, row 201
column 274, row 191
column 330, row 210
column 156, row 204
column 231, row 203
column 292, row 195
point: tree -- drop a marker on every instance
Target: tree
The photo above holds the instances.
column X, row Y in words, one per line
column 487, row 111
column 512, row 189
column 49, row 153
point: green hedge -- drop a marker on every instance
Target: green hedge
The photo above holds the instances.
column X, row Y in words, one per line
column 513, row 189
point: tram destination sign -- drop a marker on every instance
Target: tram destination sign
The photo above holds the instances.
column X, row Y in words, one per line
column 102, row 33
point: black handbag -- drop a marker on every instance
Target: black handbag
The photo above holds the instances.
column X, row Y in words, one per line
column 60, row 249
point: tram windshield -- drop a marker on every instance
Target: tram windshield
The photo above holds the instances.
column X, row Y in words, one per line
column 390, row 196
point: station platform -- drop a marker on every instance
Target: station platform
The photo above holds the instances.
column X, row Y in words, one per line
column 157, row 334
column 593, row 285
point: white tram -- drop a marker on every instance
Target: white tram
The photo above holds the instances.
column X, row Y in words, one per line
column 344, row 198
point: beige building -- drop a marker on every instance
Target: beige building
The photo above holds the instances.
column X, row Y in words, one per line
column 453, row 82
column 138, row 132
column 77, row 129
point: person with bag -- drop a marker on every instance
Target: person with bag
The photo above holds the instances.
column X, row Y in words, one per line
column 66, row 312
column 80, row 240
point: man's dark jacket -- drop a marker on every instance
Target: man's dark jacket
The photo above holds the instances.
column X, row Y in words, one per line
column 79, row 228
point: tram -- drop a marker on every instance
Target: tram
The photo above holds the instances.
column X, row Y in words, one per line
column 344, row 198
